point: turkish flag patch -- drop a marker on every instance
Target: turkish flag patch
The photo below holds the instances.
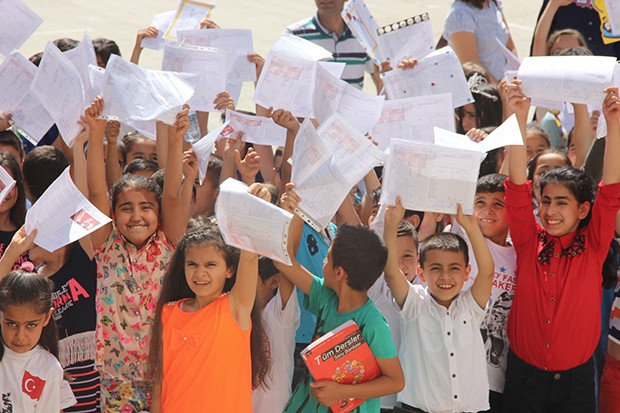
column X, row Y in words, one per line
column 32, row 385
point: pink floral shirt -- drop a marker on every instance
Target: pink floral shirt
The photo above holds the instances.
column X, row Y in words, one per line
column 128, row 284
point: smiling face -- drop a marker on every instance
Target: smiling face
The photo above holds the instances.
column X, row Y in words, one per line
column 22, row 327
column 490, row 210
column 206, row 272
column 559, row 210
column 407, row 256
column 544, row 164
column 136, row 215
column 444, row 272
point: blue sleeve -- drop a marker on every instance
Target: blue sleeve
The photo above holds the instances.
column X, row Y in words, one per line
column 460, row 18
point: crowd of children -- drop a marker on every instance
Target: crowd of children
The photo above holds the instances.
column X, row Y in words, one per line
column 505, row 310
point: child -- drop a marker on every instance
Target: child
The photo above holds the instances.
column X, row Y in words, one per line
column 31, row 379
column 277, row 300
column 200, row 347
column 380, row 294
column 490, row 211
column 554, row 323
column 441, row 345
column 13, row 207
column 131, row 254
column 354, row 261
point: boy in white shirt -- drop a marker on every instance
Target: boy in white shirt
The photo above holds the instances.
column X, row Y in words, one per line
column 444, row 357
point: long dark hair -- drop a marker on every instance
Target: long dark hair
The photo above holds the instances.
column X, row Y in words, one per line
column 18, row 211
column 175, row 288
column 19, row 288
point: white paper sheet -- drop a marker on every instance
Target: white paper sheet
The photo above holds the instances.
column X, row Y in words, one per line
column 188, row 16
column 286, row 83
column 147, row 128
column 96, row 75
column 332, row 95
column 203, row 148
column 237, row 43
column 438, row 72
column 429, row 177
column 207, row 62
column 59, row 86
column 257, row 129
column 161, row 22
column 32, row 119
column 251, row 223
column 309, row 152
column 62, row 215
column 507, row 134
column 512, row 61
column 413, row 41
column 413, row 119
column 6, row 183
column 365, row 28
column 17, row 23
column 29, row 116
column 154, row 94
column 299, row 48
column 324, row 181
column 82, row 56
column 576, row 79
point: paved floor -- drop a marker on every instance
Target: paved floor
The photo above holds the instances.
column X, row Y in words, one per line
column 120, row 20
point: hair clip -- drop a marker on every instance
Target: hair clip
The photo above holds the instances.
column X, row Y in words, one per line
column 476, row 82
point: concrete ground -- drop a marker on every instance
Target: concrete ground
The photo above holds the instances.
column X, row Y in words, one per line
column 120, row 19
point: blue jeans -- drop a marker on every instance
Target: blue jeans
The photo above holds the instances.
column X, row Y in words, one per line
column 531, row 390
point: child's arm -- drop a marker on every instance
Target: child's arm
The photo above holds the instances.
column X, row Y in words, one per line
column 517, row 155
column 231, row 148
column 19, row 244
column 290, row 122
column 190, row 173
column 5, row 121
column 394, row 277
column 249, row 166
column 113, row 170
column 391, row 381
column 346, row 213
column 481, row 289
column 95, row 166
column 173, row 220
column 137, row 48
column 582, row 134
column 296, row 273
column 539, row 44
column 611, row 110
column 78, row 169
column 243, row 293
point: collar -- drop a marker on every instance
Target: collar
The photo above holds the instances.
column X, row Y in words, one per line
column 571, row 245
column 345, row 34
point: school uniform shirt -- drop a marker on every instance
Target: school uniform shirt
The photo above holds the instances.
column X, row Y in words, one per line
column 280, row 325
column 323, row 302
column 345, row 49
column 555, row 319
column 442, row 354
column 128, row 284
column 32, row 382
column 382, row 296
column 493, row 327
